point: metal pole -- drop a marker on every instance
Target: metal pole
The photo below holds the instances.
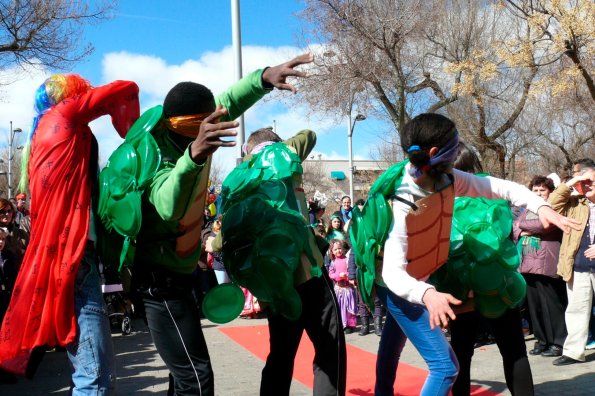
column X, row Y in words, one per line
column 10, row 162
column 350, row 149
column 236, row 34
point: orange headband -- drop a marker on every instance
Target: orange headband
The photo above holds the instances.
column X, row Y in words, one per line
column 186, row 125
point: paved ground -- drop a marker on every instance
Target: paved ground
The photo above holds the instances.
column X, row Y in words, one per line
column 237, row 372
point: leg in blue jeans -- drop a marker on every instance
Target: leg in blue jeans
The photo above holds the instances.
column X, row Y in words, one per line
column 413, row 320
column 92, row 354
column 391, row 344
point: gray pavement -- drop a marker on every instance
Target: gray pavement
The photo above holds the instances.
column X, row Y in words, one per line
column 237, row 372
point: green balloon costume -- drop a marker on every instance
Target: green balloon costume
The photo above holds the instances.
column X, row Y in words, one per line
column 481, row 257
column 143, row 173
column 266, row 236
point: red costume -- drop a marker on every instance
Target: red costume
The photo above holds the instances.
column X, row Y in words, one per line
column 41, row 310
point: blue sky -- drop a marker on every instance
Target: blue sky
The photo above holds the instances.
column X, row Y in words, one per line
column 159, row 43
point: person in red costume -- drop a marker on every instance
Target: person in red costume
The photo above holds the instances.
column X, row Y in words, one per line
column 57, row 298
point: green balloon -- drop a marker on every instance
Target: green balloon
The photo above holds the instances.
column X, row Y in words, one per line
column 467, row 212
column 482, row 241
column 149, row 158
column 509, row 257
column 487, row 279
column 500, row 216
column 514, row 289
column 125, row 214
column 103, row 194
column 144, row 124
column 490, row 306
column 121, row 169
column 223, row 303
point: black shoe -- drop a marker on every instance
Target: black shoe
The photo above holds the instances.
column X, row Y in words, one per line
column 378, row 325
column 538, row 349
column 348, row 330
column 552, row 351
column 365, row 328
column 565, row 361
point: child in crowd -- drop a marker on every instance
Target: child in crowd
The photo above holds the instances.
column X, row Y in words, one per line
column 344, row 288
column 215, row 259
column 335, row 227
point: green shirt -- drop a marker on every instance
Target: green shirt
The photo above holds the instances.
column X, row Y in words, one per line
column 172, row 191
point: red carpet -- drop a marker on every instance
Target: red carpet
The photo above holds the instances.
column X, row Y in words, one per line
column 360, row 364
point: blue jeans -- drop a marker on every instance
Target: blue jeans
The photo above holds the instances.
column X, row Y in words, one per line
column 92, row 354
column 409, row 320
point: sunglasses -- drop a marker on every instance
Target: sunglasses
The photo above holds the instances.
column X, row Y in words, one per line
column 5, row 212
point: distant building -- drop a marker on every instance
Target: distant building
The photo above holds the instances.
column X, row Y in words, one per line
column 332, row 177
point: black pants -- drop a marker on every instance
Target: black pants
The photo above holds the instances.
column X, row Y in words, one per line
column 321, row 319
column 363, row 310
column 508, row 332
column 174, row 323
column 547, row 301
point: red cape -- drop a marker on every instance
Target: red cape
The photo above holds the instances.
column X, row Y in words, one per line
column 41, row 310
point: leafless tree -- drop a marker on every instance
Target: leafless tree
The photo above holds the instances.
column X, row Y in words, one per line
column 476, row 61
column 315, row 179
column 47, row 32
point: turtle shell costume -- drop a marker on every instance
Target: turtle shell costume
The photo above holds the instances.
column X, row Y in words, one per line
column 266, row 238
column 469, row 235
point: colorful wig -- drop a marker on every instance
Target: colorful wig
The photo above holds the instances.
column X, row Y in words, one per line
column 53, row 90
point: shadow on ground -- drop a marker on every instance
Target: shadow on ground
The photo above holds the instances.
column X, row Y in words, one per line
column 139, row 370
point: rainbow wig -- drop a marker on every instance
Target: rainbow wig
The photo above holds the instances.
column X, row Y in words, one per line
column 53, row 90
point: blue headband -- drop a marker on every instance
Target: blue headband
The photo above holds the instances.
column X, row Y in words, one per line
column 446, row 154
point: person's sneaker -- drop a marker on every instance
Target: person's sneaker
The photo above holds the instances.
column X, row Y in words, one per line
column 590, row 345
column 565, row 361
column 552, row 351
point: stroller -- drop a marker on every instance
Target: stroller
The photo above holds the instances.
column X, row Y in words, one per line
column 119, row 308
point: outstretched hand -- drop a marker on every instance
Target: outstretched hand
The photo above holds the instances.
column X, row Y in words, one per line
column 210, row 135
column 277, row 75
column 549, row 216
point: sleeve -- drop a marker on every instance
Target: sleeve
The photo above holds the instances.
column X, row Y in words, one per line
column 533, row 226
column 351, row 267
column 394, row 266
column 242, row 95
column 302, row 143
column 332, row 273
column 468, row 185
column 169, row 190
column 217, row 244
column 118, row 99
column 559, row 198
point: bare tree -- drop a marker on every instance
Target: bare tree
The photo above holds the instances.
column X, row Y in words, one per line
column 563, row 30
column 47, row 32
column 395, row 59
column 315, row 179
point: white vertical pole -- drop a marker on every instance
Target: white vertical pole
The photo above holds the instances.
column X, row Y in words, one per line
column 236, row 33
column 10, row 162
column 350, row 149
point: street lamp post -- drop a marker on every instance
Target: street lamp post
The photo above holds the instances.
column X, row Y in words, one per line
column 236, row 33
column 10, row 155
column 350, row 126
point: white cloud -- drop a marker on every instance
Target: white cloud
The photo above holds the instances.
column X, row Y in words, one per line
column 155, row 76
column 215, row 70
column 17, row 98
